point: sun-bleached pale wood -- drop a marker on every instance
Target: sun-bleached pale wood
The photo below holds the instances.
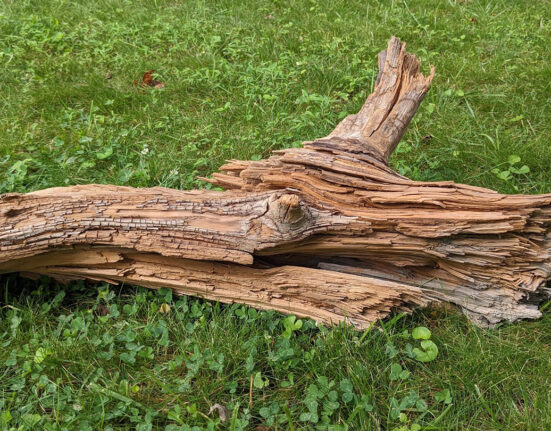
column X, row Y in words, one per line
column 326, row 231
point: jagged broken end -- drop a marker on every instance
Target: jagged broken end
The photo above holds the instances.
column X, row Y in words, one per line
column 380, row 124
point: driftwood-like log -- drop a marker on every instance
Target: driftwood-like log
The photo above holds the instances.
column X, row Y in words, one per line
column 327, row 231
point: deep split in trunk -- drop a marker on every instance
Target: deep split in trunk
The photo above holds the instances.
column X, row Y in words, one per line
column 327, row 231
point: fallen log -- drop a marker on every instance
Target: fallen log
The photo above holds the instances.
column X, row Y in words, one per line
column 326, row 231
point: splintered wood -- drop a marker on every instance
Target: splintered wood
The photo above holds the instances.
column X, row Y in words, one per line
column 327, row 231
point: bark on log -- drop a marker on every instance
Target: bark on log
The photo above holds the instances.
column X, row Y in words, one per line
column 327, row 231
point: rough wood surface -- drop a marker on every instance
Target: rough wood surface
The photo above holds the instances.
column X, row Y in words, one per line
column 326, row 231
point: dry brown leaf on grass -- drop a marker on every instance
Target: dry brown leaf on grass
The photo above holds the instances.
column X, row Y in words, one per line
column 149, row 81
column 222, row 412
column 102, row 310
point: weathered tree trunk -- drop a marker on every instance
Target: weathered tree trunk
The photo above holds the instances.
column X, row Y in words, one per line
column 326, row 231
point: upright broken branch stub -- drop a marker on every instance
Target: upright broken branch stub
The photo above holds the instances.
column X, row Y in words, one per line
column 327, row 231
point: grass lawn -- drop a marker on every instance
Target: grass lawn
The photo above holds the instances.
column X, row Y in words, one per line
column 243, row 78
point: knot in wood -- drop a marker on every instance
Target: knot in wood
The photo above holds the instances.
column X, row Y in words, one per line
column 287, row 209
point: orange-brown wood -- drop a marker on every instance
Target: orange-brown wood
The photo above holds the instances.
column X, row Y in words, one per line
column 327, row 231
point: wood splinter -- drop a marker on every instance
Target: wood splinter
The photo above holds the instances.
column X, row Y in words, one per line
column 326, row 231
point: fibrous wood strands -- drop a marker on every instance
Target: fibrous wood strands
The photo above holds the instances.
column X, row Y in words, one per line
column 326, row 231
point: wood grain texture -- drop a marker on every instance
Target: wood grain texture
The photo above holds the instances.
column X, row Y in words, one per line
column 326, row 231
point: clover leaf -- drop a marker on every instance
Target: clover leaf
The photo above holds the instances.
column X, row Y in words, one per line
column 421, row 333
column 429, row 352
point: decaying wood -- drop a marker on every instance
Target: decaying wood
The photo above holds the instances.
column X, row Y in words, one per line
column 326, row 231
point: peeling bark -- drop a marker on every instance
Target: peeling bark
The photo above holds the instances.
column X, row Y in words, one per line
column 327, row 231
